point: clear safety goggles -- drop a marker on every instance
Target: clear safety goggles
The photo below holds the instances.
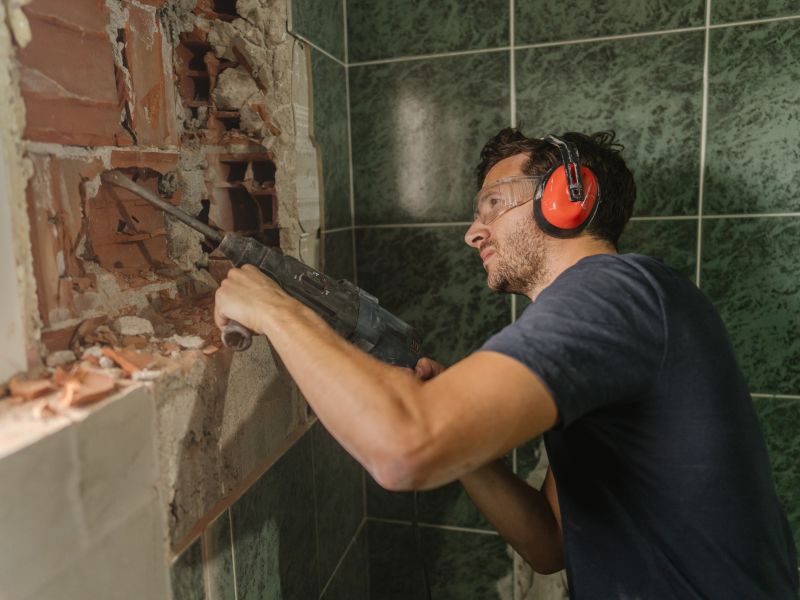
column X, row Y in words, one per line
column 503, row 195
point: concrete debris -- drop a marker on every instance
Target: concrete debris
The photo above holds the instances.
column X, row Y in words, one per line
column 62, row 357
column 106, row 362
column 95, row 351
column 146, row 375
column 133, row 326
column 190, row 342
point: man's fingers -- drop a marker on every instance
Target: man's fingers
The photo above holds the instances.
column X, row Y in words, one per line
column 427, row 369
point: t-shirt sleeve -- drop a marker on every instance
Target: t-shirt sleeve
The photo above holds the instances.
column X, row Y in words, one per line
column 596, row 336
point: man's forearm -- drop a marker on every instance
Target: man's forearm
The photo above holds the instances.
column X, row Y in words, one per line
column 520, row 514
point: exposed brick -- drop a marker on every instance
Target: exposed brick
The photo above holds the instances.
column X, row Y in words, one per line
column 67, row 75
column 153, row 110
column 126, row 233
column 242, row 192
column 55, row 196
column 162, row 162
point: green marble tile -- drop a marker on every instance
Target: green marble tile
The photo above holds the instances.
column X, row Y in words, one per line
column 417, row 131
column 551, row 20
column 329, row 112
column 521, row 304
column 749, row 270
column 274, row 531
column 186, row 574
column 383, row 504
column 431, row 279
column 340, row 499
column 412, row 27
column 351, row 581
column 321, row 22
column 337, row 248
column 460, row 564
column 529, row 456
column 649, row 90
column 726, row 11
column 673, row 242
column 753, row 119
column 467, row 565
column 780, row 419
column 395, row 567
column 450, row 505
column 219, row 561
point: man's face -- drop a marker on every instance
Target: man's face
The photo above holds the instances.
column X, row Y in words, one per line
column 512, row 246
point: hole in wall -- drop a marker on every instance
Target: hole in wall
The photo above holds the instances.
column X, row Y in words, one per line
column 225, row 7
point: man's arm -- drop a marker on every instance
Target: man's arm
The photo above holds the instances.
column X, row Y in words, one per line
column 407, row 433
column 525, row 517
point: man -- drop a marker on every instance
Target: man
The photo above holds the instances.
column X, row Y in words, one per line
column 660, row 484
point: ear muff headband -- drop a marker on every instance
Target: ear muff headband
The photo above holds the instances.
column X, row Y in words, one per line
column 566, row 199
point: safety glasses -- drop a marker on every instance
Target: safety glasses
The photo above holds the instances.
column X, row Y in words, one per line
column 503, row 195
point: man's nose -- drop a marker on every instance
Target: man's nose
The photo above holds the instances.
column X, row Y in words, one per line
column 476, row 234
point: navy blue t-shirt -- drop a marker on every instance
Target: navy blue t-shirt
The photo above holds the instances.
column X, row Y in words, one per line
column 663, row 478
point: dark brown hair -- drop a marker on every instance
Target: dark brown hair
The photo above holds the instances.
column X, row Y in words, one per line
column 598, row 151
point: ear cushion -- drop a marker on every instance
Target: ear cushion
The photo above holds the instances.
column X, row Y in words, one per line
column 555, row 212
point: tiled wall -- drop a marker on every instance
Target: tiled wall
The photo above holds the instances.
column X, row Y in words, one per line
column 706, row 97
column 297, row 532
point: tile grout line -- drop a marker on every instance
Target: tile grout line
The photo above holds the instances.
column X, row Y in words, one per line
column 606, row 38
column 341, row 559
column 344, row 32
column 305, row 40
column 705, row 217
column 337, row 229
column 205, row 564
column 233, row 554
column 513, row 95
column 405, row 225
column 675, row 218
column 383, row 61
column 316, row 505
column 755, row 21
column 753, row 215
column 435, row 526
column 512, row 81
column 776, row 396
column 703, row 144
column 350, row 170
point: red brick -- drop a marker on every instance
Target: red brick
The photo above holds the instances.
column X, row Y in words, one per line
column 127, row 233
column 55, row 196
column 67, row 75
column 162, row 162
column 153, row 106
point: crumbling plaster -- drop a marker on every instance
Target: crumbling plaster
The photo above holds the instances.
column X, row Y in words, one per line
column 216, row 417
column 17, row 169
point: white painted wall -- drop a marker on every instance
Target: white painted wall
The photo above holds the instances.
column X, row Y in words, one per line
column 12, row 335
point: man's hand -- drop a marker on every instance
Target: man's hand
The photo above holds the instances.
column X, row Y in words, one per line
column 247, row 295
column 427, row 369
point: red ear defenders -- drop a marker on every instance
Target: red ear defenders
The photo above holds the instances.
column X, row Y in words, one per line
column 566, row 199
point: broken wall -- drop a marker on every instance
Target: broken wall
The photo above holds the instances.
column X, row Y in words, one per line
column 203, row 104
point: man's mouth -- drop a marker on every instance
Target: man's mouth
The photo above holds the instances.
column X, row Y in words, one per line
column 487, row 254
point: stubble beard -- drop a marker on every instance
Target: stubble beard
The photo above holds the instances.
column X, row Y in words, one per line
column 520, row 261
